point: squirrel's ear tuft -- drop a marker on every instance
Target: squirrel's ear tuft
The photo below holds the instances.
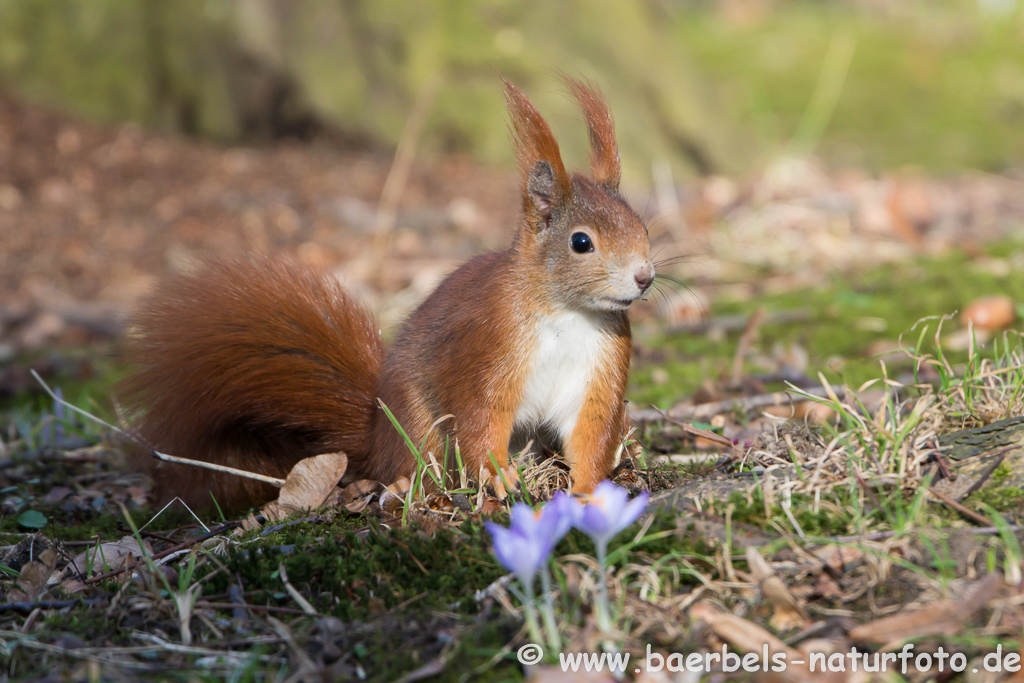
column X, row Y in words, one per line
column 545, row 182
column 604, row 152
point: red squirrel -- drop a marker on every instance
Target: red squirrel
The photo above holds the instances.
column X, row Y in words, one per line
column 258, row 363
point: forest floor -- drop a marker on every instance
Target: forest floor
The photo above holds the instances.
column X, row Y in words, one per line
column 796, row 536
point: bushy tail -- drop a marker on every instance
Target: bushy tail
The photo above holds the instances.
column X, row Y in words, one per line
column 253, row 364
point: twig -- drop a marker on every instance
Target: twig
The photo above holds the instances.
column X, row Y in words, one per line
column 50, row 604
column 295, row 594
column 697, row 431
column 736, row 323
column 273, row 481
column 156, row 454
column 181, row 546
column 706, row 411
column 405, row 152
column 254, row 608
column 882, row 535
column 745, row 342
column 1001, row 453
column 195, row 650
column 967, row 512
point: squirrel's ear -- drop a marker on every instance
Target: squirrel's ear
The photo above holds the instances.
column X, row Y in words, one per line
column 604, row 152
column 545, row 182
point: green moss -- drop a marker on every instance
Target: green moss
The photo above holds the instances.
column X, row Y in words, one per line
column 814, row 520
column 1004, row 499
column 352, row 575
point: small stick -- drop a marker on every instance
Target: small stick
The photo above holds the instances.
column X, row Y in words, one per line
column 157, row 454
column 967, row 512
column 988, row 472
column 745, row 342
column 405, row 152
column 181, row 546
column 50, row 604
column 705, row 411
column 697, row 431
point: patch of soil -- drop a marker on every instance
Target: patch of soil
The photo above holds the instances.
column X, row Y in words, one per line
column 91, row 215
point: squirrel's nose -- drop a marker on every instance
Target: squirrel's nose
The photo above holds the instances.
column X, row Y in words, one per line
column 644, row 276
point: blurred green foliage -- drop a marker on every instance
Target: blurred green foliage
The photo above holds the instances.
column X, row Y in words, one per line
column 938, row 84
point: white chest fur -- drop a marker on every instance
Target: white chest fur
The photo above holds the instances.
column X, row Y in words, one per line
column 570, row 347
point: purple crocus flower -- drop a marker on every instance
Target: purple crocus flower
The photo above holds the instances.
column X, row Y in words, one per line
column 558, row 516
column 609, row 511
column 525, row 545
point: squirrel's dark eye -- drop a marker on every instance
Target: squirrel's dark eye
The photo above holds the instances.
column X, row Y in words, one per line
column 580, row 243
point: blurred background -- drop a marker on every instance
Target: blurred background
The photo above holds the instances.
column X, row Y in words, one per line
column 781, row 147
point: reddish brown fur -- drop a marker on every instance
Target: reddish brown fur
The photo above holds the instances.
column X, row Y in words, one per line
column 252, row 364
column 595, row 442
column 604, row 152
column 532, row 137
column 257, row 364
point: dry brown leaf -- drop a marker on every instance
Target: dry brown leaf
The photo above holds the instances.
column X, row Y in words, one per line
column 248, row 524
column 357, row 506
column 840, row 557
column 943, row 618
column 107, row 556
column 393, row 497
column 439, row 502
column 784, row 664
column 34, row 576
column 490, row 506
column 740, row 633
column 357, row 495
column 554, row 674
column 786, row 610
column 74, row 586
column 990, row 313
column 308, row 485
column 827, row 587
column 333, row 498
column 359, row 489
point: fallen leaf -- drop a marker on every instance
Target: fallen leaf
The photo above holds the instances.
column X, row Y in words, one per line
column 841, row 558
column 490, row 506
column 827, row 587
column 359, row 489
column 393, row 497
column 106, row 556
column 943, row 618
column 34, row 576
column 308, row 485
column 56, row 494
column 439, row 502
column 248, row 524
column 747, row 637
column 357, row 495
column 990, row 313
column 555, row 674
column 786, row 610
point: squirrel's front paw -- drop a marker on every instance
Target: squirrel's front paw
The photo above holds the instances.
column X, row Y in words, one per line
column 506, row 481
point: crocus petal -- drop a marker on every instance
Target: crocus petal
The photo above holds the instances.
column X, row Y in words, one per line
column 524, row 519
column 609, row 511
column 516, row 552
column 559, row 515
column 633, row 510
